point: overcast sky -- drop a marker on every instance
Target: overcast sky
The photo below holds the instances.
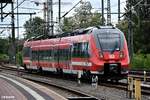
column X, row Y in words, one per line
column 64, row 8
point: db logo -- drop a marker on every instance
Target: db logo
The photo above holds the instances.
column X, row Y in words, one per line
column 111, row 56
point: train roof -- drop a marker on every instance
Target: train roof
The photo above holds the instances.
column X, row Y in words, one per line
column 73, row 33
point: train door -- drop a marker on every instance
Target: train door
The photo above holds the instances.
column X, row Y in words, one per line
column 69, row 55
column 52, row 54
column 56, row 57
column 57, row 61
column 64, row 58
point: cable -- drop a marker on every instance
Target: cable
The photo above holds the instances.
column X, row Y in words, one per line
column 19, row 4
column 14, row 9
column 115, row 5
column 4, row 6
column 71, row 9
column 134, row 6
column 30, row 8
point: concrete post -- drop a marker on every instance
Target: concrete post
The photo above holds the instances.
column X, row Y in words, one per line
column 94, row 81
column 137, row 84
column 130, row 87
column 79, row 77
column 144, row 76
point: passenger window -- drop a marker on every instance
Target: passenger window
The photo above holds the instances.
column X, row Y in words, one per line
column 80, row 50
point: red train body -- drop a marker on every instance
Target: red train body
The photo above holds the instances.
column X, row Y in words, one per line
column 97, row 50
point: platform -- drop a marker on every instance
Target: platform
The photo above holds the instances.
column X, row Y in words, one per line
column 15, row 88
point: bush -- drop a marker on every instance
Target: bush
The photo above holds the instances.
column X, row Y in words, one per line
column 4, row 58
column 19, row 58
column 141, row 62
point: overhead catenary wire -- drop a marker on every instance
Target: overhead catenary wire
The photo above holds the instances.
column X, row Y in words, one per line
column 134, row 6
column 29, row 8
column 15, row 7
column 3, row 6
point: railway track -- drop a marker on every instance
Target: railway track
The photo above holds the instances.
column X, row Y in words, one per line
column 76, row 95
column 66, row 89
column 46, row 80
column 140, row 74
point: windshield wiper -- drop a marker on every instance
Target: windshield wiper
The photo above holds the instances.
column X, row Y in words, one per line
column 116, row 47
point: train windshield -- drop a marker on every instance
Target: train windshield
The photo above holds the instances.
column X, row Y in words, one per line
column 109, row 39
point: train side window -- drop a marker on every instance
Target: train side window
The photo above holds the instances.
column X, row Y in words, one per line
column 26, row 51
column 41, row 57
column 85, row 49
column 55, row 54
column 66, row 54
column 75, row 47
column 59, row 54
column 80, row 50
column 50, row 55
column 45, row 55
column 33, row 55
column 63, row 55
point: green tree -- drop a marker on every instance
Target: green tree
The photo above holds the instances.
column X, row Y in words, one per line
column 140, row 25
column 95, row 19
column 83, row 18
column 19, row 58
column 34, row 27
column 83, row 14
column 68, row 24
column 4, row 44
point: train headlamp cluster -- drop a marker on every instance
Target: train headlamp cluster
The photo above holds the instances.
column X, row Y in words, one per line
column 121, row 55
column 101, row 55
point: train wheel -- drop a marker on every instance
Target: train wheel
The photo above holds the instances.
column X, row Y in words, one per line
column 87, row 74
column 30, row 70
column 59, row 71
column 25, row 67
column 116, row 81
column 40, row 70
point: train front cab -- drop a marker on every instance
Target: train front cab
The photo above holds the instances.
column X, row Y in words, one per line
column 112, row 52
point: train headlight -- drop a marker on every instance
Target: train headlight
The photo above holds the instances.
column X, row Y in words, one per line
column 121, row 55
column 101, row 55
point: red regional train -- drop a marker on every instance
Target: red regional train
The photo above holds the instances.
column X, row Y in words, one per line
column 96, row 50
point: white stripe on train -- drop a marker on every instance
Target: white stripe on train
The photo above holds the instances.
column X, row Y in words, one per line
column 81, row 63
